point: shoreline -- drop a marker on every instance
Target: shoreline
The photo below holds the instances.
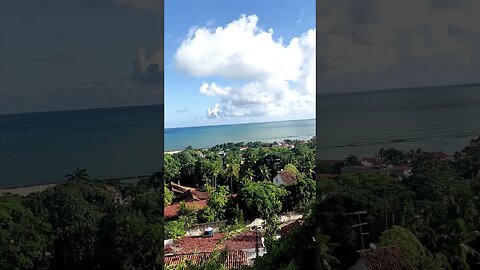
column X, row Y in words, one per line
column 26, row 190
column 293, row 138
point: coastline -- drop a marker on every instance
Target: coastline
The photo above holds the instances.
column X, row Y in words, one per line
column 26, row 189
column 301, row 138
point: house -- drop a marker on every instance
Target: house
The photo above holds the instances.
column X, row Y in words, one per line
column 401, row 171
column 283, row 145
column 193, row 195
column 290, row 227
column 234, row 259
column 171, row 211
column 179, row 189
column 244, row 242
column 284, row 178
column 440, row 155
column 391, row 258
column 115, row 194
column 369, row 161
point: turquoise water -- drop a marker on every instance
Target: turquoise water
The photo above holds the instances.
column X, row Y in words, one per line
column 436, row 118
column 208, row 136
column 43, row 147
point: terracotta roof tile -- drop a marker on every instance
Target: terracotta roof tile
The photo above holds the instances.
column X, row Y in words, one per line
column 235, row 259
column 196, row 244
column 287, row 229
column 391, row 258
column 171, row 211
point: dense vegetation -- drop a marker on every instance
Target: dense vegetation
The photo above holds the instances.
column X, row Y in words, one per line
column 79, row 225
column 246, row 169
column 432, row 215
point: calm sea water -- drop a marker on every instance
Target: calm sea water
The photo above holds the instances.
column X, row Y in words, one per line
column 208, row 136
column 43, row 147
column 436, row 118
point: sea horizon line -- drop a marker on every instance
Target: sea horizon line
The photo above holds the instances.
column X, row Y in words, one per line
column 237, row 124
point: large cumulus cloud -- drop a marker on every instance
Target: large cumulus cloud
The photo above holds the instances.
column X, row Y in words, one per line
column 272, row 77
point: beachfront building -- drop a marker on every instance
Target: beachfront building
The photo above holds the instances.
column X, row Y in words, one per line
column 370, row 161
column 284, row 178
column 283, row 145
column 440, row 155
column 397, row 171
column 475, row 143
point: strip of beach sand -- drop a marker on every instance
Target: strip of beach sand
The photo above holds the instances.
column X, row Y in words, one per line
column 25, row 190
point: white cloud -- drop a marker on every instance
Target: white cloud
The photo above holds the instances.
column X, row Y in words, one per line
column 374, row 35
column 280, row 77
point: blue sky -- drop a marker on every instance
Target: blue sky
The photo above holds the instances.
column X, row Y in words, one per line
column 185, row 105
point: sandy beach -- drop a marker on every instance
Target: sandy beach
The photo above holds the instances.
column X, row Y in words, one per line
column 24, row 191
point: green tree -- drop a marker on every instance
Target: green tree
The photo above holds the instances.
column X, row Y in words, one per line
column 265, row 172
column 129, row 241
column 77, row 174
column 261, row 199
column 171, row 168
column 24, row 238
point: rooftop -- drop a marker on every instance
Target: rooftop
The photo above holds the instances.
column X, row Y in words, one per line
column 235, row 259
column 198, row 244
column 171, row 211
column 390, row 257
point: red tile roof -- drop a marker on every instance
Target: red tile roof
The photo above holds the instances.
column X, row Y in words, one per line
column 391, row 258
column 179, row 188
column 439, row 155
column 171, row 211
column 287, row 177
column 195, row 244
column 235, row 259
column 194, row 195
column 287, row 229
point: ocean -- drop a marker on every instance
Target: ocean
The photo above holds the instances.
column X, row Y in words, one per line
column 442, row 118
column 208, row 136
column 43, row 147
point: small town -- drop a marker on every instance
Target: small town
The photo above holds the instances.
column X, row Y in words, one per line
column 268, row 202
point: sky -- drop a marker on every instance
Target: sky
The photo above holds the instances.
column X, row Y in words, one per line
column 230, row 62
column 382, row 44
column 60, row 55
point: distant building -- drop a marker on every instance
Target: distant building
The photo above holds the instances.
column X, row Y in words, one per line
column 369, row 161
column 475, row 143
column 440, row 155
column 283, row 145
column 401, row 171
column 398, row 171
column 284, row 178
column 116, row 195
column 391, row 258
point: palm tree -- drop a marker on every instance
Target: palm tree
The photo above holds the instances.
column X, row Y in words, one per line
column 324, row 247
column 456, row 244
column 232, row 171
column 249, row 173
column 265, row 172
column 77, row 174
